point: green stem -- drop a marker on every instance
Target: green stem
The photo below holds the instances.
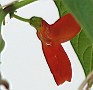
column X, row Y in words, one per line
column 16, row 5
column 10, row 8
column 21, row 18
column 2, row 16
column 22, row 3
column 3, row 12
column 34, row 21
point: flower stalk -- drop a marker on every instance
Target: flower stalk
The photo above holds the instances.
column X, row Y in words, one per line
column 20, row 18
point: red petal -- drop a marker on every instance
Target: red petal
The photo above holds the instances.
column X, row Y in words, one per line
column 64, row 29
column 58, row 63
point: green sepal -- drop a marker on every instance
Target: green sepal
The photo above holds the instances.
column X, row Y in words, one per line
column 36, row 22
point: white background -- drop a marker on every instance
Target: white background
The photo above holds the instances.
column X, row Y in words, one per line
column 23, row 63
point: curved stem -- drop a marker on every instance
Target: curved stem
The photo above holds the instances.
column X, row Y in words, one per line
column 86, row 81
column 10, row 8
column 22, row 3
column 2, row 16
column 21, row 18
column 4, row 83
column 16, row 5
column 34, row 21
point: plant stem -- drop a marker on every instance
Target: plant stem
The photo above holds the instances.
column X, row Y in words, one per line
column 4, row 83
column 22, row 3
column 86, row 81
column 16, row 5
column 21, row 18
column 10, row 8
column 2, row 16
column 34, row 21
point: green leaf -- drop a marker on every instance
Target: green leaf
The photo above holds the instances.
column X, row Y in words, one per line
column 83, row 47
column 61, row 8
column 81, row 43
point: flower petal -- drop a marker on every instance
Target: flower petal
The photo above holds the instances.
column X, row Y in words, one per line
column 58, row 62
column 64, row 29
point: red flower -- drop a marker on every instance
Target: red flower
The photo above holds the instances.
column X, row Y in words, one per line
column 51, row 37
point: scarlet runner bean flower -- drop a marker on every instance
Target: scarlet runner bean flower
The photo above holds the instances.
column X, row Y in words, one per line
column 51, row 37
